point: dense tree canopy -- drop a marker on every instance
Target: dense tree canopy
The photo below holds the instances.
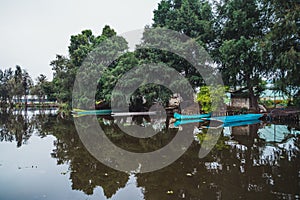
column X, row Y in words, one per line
column 191, row 17
column 14, row 85
column 65, row 68
column 250, row 40
column 240, row 51
column 283, row 43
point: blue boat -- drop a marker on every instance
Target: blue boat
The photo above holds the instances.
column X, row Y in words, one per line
column 227, row 124
column 198, row 116
column 233, row 124
column 235, row 118
column 241, row 123
column 181, row 122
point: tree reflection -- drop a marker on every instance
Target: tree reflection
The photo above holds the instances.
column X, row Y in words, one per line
column 15, row 127
column 227, row 173
column 241, row 166
column 86, row 173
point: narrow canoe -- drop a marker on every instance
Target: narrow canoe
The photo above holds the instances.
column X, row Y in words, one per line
column 181, row 122
column 242, row 123
column 233, row 124
column 198, row 116
column 235, row 118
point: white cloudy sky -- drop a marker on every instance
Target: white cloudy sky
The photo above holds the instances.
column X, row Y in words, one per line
column 32, row 32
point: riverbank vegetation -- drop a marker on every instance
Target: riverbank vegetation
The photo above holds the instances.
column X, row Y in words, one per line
column 250, row 41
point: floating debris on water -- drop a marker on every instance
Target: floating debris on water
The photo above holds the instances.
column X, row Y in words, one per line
column 189, row 174
column 170, row 192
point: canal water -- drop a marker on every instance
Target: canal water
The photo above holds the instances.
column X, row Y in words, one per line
column 42, row 157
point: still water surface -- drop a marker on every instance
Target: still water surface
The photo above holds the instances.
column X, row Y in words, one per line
column 42, row 157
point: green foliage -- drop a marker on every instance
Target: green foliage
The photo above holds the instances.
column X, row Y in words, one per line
column 239, row 52
column 297, row 101
column 210, row 98
column 110, row 76
column 283, row 45
column 267, row 103
column 43, row 88
column 14, row 84
column 6, row 85
column 193, row 18
column 81, row 45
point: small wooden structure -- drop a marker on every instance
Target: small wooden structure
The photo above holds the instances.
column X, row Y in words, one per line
column 240, row 99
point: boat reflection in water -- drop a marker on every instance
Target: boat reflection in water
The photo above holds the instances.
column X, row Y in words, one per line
column 43, row 157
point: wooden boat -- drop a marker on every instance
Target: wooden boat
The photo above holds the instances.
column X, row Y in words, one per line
column 235, row 118
column 198, row 116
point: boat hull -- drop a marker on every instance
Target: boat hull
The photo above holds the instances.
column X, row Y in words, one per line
column 235, row 118
column 198, row 116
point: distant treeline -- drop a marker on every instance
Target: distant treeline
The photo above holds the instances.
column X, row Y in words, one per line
column 16, row 84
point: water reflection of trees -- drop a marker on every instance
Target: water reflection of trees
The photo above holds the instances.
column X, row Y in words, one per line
column 15, row 127
column 228, row 173
column 238, row 168
column 86, row 173
column 20, row 125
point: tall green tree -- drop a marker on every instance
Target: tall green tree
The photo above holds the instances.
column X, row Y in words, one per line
column 38, row 89
column 6, row 86
column 18, row 83
column 283, row 43
column 65, row 68
column 193, row 18
column 27, row 84
column 240, row 37
column 81, row 45
column 21, row 84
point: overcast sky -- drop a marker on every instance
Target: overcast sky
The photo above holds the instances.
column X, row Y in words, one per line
column 34, row 31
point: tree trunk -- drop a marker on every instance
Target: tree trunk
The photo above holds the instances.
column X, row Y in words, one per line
column 25, row 98
column 253, row 99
